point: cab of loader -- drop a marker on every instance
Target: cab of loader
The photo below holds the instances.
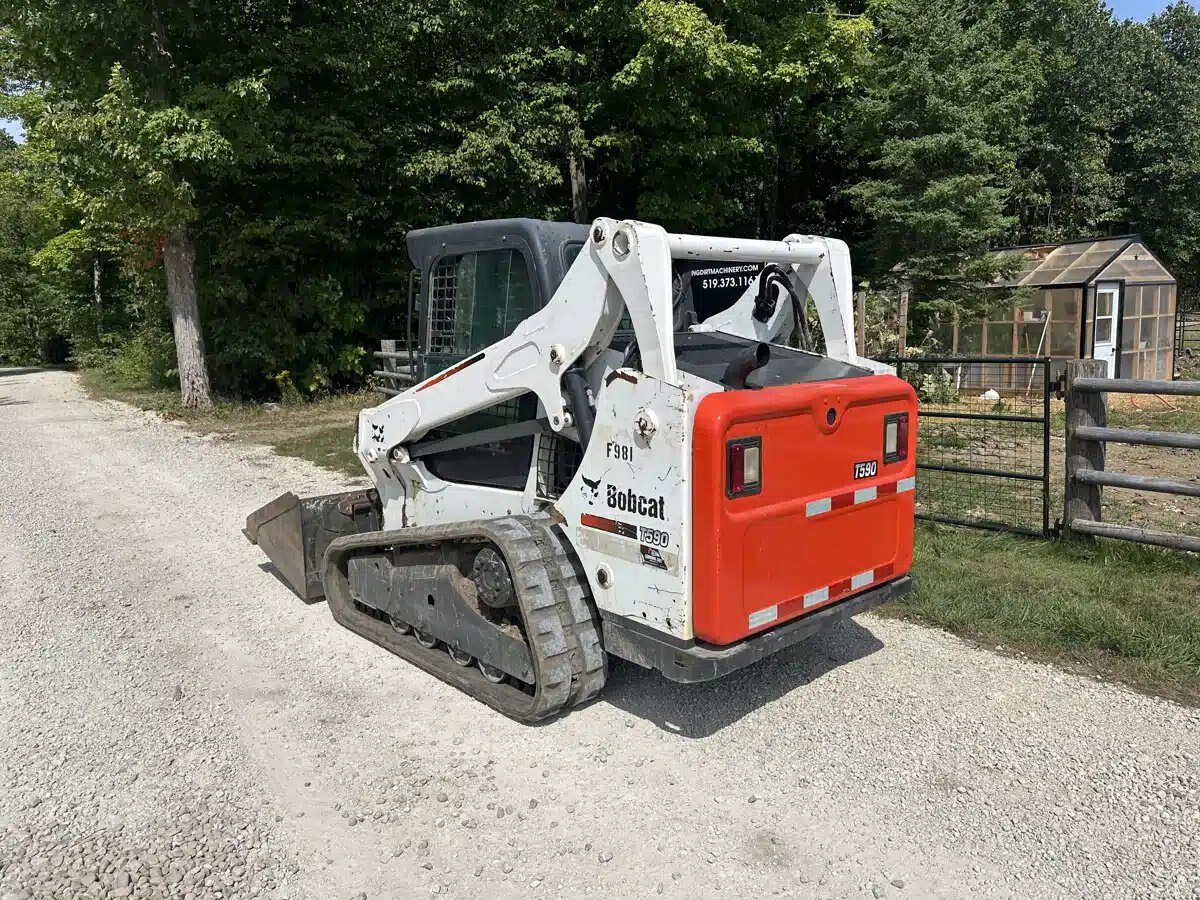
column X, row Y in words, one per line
column 477, row 280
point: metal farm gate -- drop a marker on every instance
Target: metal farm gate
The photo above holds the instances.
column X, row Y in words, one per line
column 1187, row 328
column 983, row 441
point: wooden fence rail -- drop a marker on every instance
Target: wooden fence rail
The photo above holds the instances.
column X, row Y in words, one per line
column 1088, row 433
column 396, row 368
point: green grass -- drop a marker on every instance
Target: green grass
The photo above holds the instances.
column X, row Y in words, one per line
column 104, row 386
column 329, row 447
column 1126, row 612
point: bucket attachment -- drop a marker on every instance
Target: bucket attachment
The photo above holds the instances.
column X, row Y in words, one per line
column 293, row 532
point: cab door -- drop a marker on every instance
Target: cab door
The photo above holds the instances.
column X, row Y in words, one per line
column 474, row 299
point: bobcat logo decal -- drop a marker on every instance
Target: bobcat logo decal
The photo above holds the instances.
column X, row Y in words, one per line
column 591, row 489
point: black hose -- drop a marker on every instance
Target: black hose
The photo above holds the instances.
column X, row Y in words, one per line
column 581, row 410
column 765, row 303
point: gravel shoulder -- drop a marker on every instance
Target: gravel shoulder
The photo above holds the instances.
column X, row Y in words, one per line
column 177, row 724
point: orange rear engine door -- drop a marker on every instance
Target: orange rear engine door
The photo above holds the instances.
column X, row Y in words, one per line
column 833, row 517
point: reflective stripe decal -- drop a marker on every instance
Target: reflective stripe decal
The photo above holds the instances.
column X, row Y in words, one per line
column 862, row 495
column 453, row 370
column 763, row 616
column 834, row 592
column 817, row 507
column 816, row 597
column 865, row 495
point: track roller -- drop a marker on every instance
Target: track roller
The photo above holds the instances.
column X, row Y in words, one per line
column 460, row 658
column 492, row 674
column 425, row 639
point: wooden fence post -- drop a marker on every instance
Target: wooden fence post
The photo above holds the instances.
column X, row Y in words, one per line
column 903, row 323
column 389, row 362
column 861, row 299
column 1085, row 409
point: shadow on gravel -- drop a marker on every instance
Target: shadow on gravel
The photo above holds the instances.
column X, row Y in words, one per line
column 701, row 710
column 270, row 569
column 27, row 370
column 9, row 401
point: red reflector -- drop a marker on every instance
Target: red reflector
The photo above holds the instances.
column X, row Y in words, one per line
column 745, row 467
column 737, row 469
column 902, row 444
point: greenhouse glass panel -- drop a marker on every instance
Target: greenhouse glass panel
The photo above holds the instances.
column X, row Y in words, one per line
column 1149, row 333
column 970, row 339
column 1062, row 340
column 999, row 339
column 1166, row 331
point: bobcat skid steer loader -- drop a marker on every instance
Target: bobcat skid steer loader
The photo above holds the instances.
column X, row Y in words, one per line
column 601, row 460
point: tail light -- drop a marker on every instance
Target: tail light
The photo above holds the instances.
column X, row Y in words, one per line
column 895, row 438
column 745, row 467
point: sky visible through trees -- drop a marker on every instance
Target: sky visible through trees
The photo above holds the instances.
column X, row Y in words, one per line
column 1138, row 9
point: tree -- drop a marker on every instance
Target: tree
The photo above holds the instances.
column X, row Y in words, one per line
column 31, row 310
column 1158, row 137
column 945, row 103
column 684, row 113
column 134, row 121
column 251, row 149
column 1065, row 187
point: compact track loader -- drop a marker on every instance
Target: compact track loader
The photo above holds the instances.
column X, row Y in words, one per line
column 623, row 442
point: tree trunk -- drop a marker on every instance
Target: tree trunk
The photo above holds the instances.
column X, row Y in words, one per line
column 579, row 203
column 179, row 259
column 97, row 296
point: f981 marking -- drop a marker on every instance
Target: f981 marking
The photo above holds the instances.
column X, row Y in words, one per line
column 623, row 452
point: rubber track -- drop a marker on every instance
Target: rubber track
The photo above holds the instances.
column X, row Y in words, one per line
column 560, row 621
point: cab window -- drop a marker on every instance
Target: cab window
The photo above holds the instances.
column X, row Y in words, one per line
column 477, row 299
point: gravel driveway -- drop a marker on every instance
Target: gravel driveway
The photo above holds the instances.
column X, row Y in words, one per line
column 175, row 723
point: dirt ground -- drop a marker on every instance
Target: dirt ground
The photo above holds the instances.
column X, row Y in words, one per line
column 177, row 724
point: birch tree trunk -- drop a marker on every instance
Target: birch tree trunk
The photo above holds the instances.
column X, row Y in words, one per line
column 96, row 295
column 179, row 260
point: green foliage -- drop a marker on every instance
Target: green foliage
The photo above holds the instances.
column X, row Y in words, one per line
column 300, row 143
column 143, row 361
column 936, row 122
column 1065, row 185
column 32, row 310
column 1158, row 139
column 938, row 387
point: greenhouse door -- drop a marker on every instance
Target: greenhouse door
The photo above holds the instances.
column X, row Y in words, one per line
column 1108, row 314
